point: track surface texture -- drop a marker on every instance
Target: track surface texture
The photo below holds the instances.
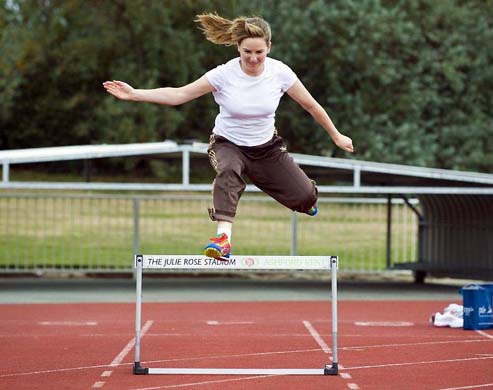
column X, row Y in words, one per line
column 382, row 345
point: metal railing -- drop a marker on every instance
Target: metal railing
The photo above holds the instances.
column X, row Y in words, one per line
column 99, row 233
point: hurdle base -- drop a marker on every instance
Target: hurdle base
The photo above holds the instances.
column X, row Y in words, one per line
column 139, row 370
column 332, row 369
column 236, row 371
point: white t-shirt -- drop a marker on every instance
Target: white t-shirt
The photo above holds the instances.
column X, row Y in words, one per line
column 247, row 104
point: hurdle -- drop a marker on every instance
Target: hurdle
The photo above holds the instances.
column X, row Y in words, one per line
column 263, row 263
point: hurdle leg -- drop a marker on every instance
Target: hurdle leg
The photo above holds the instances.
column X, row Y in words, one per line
column 138, row 369
column 333, row 368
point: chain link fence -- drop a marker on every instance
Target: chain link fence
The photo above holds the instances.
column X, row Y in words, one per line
column 100, row 233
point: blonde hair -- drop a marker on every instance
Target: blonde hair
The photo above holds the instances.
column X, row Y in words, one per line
column 231, row 32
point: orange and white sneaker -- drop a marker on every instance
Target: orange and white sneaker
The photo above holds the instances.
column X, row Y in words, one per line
column 218, row 247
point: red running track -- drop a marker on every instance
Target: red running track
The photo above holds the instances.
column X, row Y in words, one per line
column 382, row 345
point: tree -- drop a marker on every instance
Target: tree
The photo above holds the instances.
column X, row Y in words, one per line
column 410, row 82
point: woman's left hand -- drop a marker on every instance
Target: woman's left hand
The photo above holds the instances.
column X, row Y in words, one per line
column 344, row 142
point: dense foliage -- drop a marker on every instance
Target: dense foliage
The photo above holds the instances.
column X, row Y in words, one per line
column 410, row 81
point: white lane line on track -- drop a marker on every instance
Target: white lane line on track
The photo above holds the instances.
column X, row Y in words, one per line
column 124, row 352
column 384, row 323
column 320, row 341
column 356, row 347
column 418, row 363
column 484, row 334
column 205, row 383
column 245, row 334
column 56, row 370
column 469, row 387
column 230, row 322
column 160, row 361
column 233, row 356
column 68, row 323
column 94, row 367
column 118, row 359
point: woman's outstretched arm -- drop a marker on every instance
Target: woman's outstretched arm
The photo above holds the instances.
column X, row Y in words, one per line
column 169, row 96
column 300, row 94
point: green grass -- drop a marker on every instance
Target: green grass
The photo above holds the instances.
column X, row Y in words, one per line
column 87, row 232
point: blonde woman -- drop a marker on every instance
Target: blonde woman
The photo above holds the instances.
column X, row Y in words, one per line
column 244, row 140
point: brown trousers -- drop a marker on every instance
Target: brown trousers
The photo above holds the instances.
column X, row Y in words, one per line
column 268, row 166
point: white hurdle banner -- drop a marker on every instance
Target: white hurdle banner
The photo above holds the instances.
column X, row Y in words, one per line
column 273, row 263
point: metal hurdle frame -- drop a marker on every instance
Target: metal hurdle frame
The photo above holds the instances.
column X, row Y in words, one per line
column 272, row 263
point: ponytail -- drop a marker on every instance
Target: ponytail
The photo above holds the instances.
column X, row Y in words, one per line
column 227, row 32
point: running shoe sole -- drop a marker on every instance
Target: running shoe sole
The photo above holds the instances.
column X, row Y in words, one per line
column 215, row 252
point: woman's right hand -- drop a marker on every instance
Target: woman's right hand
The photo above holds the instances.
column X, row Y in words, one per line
column 119, row 89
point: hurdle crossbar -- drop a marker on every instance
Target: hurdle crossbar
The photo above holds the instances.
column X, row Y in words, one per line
column 273, row 263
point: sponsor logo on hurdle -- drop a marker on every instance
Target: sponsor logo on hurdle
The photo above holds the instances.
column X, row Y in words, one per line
column 235, row 262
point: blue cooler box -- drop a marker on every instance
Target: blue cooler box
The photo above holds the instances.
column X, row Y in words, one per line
column 477, row 306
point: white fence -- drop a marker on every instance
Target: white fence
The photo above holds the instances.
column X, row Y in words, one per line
column 100, row 233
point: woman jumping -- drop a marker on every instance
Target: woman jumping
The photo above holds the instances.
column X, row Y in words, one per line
column 244, row 140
